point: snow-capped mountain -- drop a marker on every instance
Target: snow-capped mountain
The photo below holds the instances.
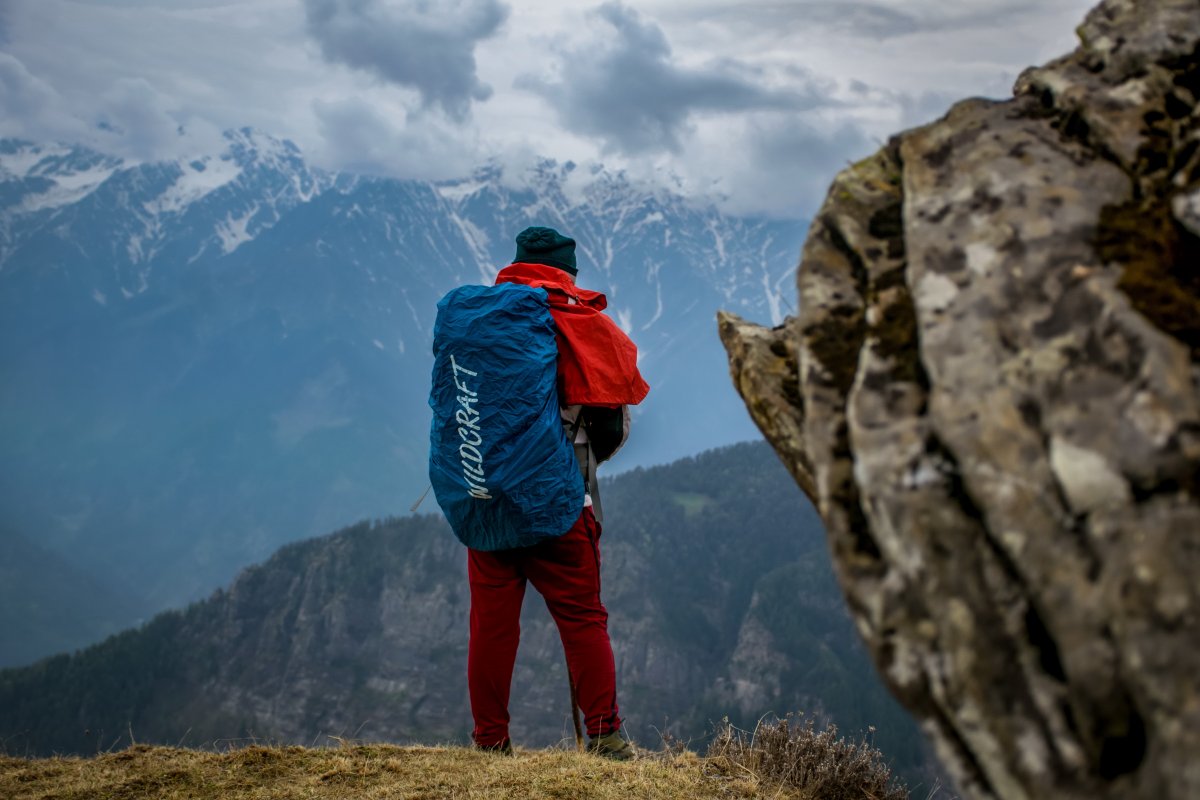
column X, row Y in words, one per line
column 204, row 359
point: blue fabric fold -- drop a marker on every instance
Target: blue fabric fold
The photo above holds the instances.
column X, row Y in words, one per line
column 500, row 464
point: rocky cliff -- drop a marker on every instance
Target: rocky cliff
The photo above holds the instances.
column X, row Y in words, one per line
column 992, row 393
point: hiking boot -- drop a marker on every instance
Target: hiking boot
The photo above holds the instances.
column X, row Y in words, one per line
column 502, row 749
column 611, row 745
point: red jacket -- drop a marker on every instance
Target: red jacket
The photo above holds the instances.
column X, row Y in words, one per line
column 597, row 362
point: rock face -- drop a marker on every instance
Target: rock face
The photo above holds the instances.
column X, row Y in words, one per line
column 992, row 393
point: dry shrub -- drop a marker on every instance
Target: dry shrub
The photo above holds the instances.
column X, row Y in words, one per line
column 819, row 764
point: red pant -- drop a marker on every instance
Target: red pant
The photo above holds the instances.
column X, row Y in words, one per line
column 566, row 571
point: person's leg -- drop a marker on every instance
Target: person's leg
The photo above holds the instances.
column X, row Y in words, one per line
column 566, row 571
column 497, row 588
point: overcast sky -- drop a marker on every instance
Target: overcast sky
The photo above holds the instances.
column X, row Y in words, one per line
column 760, row 102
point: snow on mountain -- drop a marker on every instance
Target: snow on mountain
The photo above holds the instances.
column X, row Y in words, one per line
column 120, row 229
column 197, row 178
column 238, row 192
column 55, row 175
column 18, row 158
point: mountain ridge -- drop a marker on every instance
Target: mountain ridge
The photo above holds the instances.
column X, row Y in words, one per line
column 207, row 357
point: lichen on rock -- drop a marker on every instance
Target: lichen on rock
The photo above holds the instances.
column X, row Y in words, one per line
column 992, row 394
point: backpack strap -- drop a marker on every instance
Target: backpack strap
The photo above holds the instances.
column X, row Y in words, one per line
column 593, row 484
column 587, row 468
column 586, row 457
column 575, row 426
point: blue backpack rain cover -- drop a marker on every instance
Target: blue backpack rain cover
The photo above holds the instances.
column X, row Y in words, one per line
column 499, row 460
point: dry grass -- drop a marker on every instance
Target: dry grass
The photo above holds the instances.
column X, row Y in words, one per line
column 366, row 772
column 779, row 760
column 794, row 755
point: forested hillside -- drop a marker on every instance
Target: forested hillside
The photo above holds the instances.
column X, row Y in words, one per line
column 48, row 604
column 715, row 574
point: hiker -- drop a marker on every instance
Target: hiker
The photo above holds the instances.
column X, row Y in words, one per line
column 593, row 367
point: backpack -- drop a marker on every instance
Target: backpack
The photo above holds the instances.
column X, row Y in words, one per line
column 500, row 463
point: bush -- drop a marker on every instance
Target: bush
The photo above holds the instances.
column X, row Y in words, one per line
column 795, row 755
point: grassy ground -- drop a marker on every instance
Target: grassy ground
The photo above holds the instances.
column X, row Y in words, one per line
column 369, row 772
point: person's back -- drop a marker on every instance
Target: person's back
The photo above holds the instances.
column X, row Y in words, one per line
column 597, row 378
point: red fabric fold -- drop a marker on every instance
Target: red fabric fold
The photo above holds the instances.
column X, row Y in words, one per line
column 597, row 362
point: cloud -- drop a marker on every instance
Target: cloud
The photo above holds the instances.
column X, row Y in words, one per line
column 421, row 45
column 130, row 118
column 760, row 100
column 783, row 165
column 32, row 108
column 21, row 94
column 868, row 19
column 140, row 117
column 628, row 91
column 358, row 138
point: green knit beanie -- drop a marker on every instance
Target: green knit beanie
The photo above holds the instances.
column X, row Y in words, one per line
column 546, row 246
